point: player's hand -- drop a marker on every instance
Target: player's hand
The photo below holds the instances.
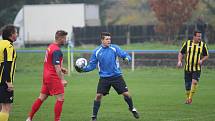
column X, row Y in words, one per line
column 179, row 64
column 64, row 82
column 64, row 70
column 10, row 86
column 80, row 70
column 126, row 60
column 200, row 62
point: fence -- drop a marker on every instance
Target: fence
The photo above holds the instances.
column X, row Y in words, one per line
column 167, row 58
column 125, row 34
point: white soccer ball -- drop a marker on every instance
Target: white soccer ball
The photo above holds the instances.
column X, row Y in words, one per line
column 81, row 62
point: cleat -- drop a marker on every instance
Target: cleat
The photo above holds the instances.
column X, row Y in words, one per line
column 188, row 101
column 93, row 118
column 134, row 112
column 28, row 119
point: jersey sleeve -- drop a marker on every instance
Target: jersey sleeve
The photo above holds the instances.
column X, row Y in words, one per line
column 57, row 54
column 184, row 48
column 9, row 53
column 122, row 54
column 8, row 58
column 205, row 50
column 92, row 64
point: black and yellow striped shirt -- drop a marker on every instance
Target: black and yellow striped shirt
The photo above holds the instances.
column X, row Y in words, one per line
column 7, row 61
column 193, row 54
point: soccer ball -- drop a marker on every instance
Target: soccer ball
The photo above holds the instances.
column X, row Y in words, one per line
column 81, row 62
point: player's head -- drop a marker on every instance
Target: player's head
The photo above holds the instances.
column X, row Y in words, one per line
column 106, row 38
column 9, row 32
column 60, row 37
column 197, row 35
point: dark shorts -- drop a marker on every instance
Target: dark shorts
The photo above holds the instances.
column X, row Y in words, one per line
column 188, row 76
column 117, row 83
column 5, row 96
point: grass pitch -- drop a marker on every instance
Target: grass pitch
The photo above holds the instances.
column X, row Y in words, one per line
column 158, row 94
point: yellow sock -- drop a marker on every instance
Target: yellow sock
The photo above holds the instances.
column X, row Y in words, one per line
column 187, row 94
column 193, row 90
column 4, row 116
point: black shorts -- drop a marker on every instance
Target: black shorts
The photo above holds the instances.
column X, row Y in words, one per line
column 5, row 96
column 188, row 76
column 117, row 83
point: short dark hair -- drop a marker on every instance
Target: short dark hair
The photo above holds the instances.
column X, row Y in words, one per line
column 195, row 32
column 103, row 34
column 60, row 33
column 8, row 30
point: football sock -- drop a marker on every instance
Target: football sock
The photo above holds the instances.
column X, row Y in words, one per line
column 96, row 106
column 35, row 107
column 193, row 90
column 58, row 109
column 4, row 116
column 187, row 93
column 129, row 101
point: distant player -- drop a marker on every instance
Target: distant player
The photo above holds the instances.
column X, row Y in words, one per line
column 7, row 70
column 53, row 77
column 196, row 54
column 106, row 57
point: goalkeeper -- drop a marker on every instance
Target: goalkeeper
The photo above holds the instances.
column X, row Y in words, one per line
column 106, row 57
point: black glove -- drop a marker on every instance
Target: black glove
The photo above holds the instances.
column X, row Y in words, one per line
column 126, row 60
column 78, row 69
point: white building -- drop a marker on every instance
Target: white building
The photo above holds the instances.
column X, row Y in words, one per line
column 38, row 23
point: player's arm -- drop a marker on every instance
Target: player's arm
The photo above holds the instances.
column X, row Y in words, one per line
column 8, row 59
column 181, row 53
column 56, row 62
column 122, row 54
column 92, row 63
column 205, row 54
column 64, row 70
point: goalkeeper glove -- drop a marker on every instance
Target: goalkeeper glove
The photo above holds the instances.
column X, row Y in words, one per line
column 80, row 70
column 126, row 60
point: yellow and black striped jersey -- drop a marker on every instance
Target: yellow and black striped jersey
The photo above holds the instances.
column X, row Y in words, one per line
column 193, row 54
column 7, row 61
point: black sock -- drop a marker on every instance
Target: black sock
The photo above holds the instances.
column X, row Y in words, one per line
column 129, row 101
column 96, row 106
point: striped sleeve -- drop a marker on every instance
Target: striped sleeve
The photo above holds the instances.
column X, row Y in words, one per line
column 205, row 50
column 183, row 48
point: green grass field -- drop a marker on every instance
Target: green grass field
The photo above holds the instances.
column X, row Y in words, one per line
column 158, row 94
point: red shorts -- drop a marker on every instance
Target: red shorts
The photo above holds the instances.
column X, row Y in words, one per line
column 53, row 87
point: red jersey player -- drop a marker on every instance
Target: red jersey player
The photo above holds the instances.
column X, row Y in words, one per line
column 53, row 77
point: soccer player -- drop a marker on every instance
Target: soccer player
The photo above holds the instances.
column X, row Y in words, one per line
column 53, row 77
column 196, row 54
column 7, row 70
column 106, row 57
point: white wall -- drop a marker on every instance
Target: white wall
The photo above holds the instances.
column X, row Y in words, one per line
column 42, row 21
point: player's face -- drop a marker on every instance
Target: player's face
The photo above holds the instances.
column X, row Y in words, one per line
column 62, row 40
column 106, row 41
column 197, row 37
column 14, row 36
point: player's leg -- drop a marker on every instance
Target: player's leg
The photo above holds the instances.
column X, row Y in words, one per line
column 44, row 93
column 188, row 83
column 36, row 105
column 6, row 100
column 58, row 106
column 120, row 86
column 195, row 79
column 96, row 105
column 103, row 88
column 4, row 114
